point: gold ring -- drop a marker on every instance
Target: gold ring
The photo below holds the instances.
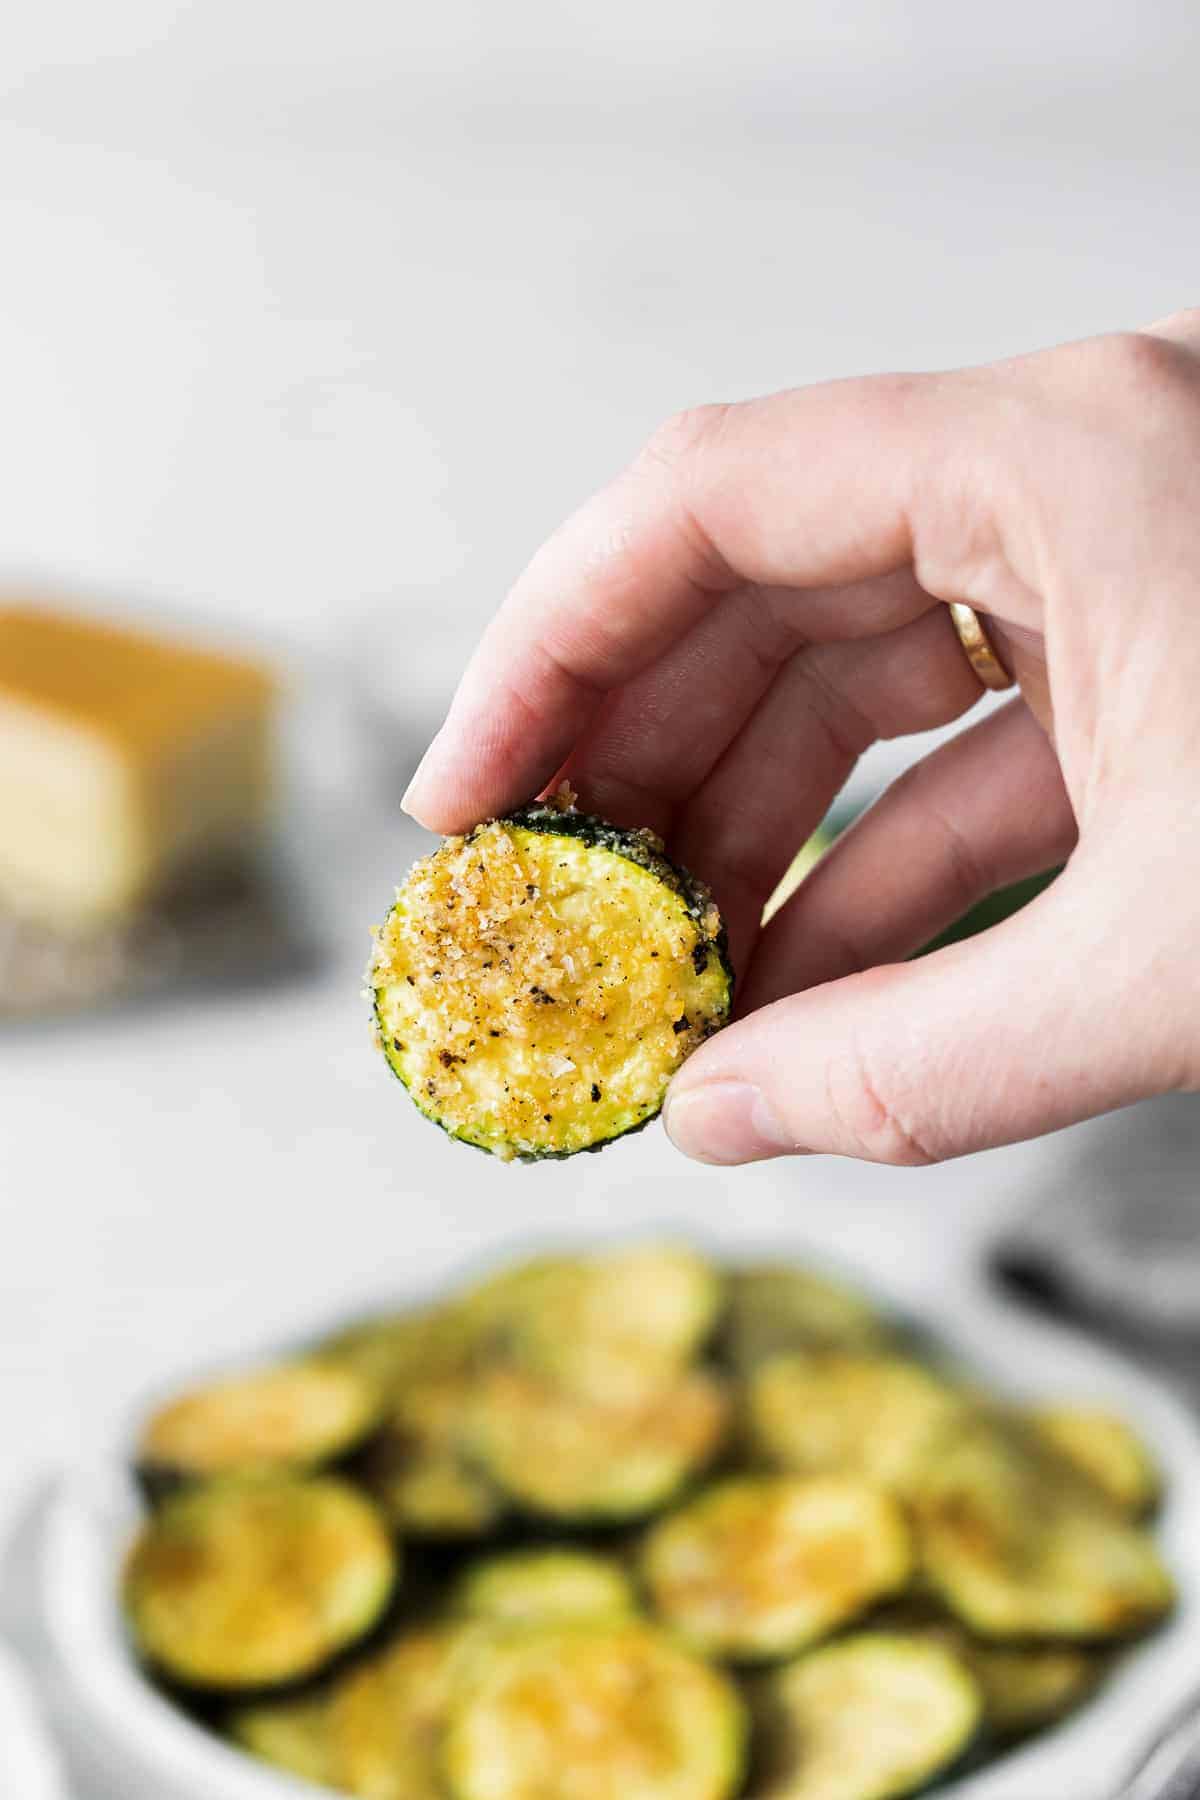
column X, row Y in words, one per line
column 978, row 645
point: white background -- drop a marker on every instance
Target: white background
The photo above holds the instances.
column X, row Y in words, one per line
column 315, row 315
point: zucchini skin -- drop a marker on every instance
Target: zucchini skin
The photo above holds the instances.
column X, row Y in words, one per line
column 645, row 851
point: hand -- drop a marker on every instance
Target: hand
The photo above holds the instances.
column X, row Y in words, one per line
column 711, row 642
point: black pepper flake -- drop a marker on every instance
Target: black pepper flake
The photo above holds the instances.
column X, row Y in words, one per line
column 396, row 1044
column 492, row 1033
column 530, row 888
column 700, row 958
column 547, row 1117
column 429, row 1088
column 410, row 981
column 448, row 1059
column 437, row 974
column 654, row 955
column 487, row 965
column 680, row 1024
column 541, row 997
column 595, row 1091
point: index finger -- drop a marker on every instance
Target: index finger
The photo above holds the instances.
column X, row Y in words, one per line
column 811, row 487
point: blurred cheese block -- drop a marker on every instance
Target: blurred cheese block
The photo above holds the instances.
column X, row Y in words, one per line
column 125, row 760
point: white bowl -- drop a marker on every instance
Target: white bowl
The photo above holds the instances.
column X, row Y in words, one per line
column 154, row 1750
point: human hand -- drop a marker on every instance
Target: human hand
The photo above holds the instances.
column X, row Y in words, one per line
column 710, row 643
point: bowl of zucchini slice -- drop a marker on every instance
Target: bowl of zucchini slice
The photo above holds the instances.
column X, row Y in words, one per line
column 630, row 1524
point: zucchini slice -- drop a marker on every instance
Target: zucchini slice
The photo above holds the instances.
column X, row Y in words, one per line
column 872, row 1717
column 291, row 1415
column 544, row 1587
column 393, row 1350
column 760, row 1566
column 291, row 1734
column 612, row 1712
column 416, row 1470
column 257, row 1583
column 1105, row 1449
column 613, row 1326
column 388, row 1715
column 844, row 1413
column 538, row 982
column 779, row 1306
column 1019, row 1545
column 1024, row 1687
column 561, row 1456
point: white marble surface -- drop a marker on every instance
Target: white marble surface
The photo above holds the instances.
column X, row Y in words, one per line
column 310, row 315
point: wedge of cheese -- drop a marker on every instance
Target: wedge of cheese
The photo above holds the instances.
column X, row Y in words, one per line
column 125, row 760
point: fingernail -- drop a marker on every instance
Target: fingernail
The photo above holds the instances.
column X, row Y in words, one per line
column 725, row 1122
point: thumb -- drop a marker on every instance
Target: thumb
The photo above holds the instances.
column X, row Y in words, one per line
column 1032, row 1025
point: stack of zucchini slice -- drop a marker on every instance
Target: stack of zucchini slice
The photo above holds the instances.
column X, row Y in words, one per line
column 630, row 1526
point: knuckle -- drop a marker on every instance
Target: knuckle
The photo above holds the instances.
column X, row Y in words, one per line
column 682, row 435
column 1182, row 327
column 875, row 1122
column 965, row 871
column 1138, row 365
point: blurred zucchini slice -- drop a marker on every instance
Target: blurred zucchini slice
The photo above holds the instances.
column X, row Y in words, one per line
column 388, row 1715
column 544, row 1587
column 289, row 1415
column 760, row 1566
column 1019, row 1545
column 872, row 1717
column 538, row 981
column 257, row 1582
column 291, row 1734
column 1024, row 1687
column 614, row 1712
column 393, row 1350
column 610, row 1326
column 774, row 1307
column 844, row 1413
column 564, row 1457
column 415, row 1468
column 1107, row 1450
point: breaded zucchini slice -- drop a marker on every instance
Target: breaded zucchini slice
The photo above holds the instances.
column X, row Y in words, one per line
column 612, row 1326
column 872, row 1717
column 849, row 1413
column 292, row 1734
column 1106, row 1449
column 538, row 982
column 257, row 1582
column 760, row 1566
column 290, row 1415
column 774, row 1307
column 561, row 1456
column 393, row 1350
column 544, row 1587
column 388, row 1715
column 416, row 1469
column 1024, row 1687
column 594, row 1712
column 1019, row 1545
